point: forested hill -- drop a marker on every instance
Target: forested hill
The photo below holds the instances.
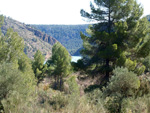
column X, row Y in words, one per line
column 34, row 39
column 68, row 35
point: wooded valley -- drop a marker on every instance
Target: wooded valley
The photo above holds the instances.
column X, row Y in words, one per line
column 113, row 75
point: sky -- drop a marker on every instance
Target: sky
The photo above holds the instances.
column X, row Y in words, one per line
column 50, row 11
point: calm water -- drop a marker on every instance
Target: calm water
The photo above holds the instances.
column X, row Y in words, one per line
column 75, row 58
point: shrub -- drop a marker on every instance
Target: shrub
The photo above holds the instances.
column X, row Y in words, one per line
column 112, row 104
column 123, row 82
column 58, row 101
column 95, row 96
column 138, row 105
column 144, row 88
column 122, row 85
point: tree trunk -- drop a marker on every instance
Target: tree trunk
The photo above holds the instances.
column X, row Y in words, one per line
column 60, row 83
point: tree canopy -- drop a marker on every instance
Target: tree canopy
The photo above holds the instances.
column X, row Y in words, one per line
column 120, row 33
column 60, row 63
column 38, row 65
column 17, row 81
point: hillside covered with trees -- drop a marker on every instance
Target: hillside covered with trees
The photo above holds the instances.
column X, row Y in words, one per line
column 34, row 39
column 113, row 75
column 67, row 35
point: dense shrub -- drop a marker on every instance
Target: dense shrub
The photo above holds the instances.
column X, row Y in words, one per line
column 58, row 101
column 16, row 88
column 138, row 105
column 122, row 85
column 144, row 88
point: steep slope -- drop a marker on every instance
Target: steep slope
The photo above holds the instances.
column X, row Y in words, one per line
column 34, row 39
column 68, row 35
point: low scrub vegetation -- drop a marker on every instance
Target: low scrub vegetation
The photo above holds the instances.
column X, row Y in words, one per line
column 112, row 76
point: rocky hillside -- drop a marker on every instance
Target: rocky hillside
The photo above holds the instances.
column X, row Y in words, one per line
column 34, row 39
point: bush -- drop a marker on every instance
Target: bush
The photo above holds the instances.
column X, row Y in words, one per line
column 58, row 101
column 144, row 88
column 95, row 96
column 16, row 88
column 138, row 105
column 112, row 104
column 123, row 82
column 122, row 85
column 137, row 68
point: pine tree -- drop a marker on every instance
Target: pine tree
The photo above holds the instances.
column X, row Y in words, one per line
column 38, row 65
column 61, row 63
column 17, row 81
column 11, row 47
column 120, row 33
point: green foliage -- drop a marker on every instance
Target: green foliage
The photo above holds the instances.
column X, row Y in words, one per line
column 11, row 47
column 67, row 35
column 34, row 39
column 122, row 85
column 127, row 80
column 61, row 60
column 114, row 35
column 140, row 69
column 95, row 96
column 121, row 60
column 78, row 66
column 17, row 82
column 38, row 65
column 133, row 66
column 146, row 62
column 9, row 79
column 144, row 88
column 138, row 105
column 59, row 101
column 15, row 87
column 1, row 23
column 112, row 104
column 61, row 63
column 73, row 86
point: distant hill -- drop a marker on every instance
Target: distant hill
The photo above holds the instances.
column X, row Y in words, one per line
column 34, row 39
column 68, row 35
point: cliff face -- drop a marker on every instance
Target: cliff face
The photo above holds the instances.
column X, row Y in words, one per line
column 42, row 35
column 34, row 39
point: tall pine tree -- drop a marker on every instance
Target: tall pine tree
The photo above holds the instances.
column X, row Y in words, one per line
column 120, row 33
column 60, row 64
